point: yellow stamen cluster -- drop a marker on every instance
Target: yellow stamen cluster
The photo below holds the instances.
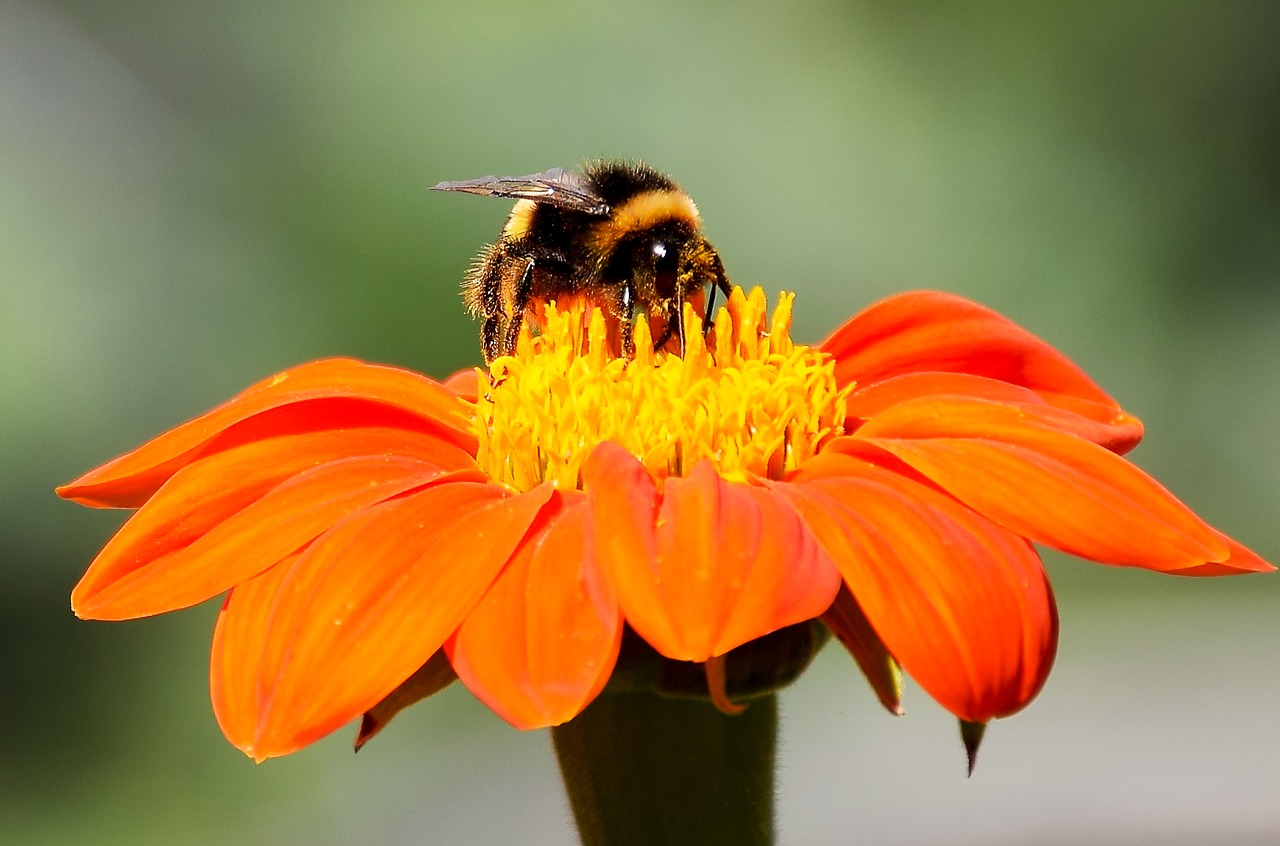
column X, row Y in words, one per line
column 746, row 397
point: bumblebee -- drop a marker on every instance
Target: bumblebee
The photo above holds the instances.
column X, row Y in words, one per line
column 620, row 233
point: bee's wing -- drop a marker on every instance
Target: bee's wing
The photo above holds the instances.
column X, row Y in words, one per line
column 558, row 187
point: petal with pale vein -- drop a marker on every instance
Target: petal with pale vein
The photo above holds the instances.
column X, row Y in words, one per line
column 243, row 655
column 933, row 331
column 1053, row 488
column 253, row 539
column 366, row 604
column 326, row 394
column 1102, row 424
column 963, row 605
column 211, row 490
column 706, row 565
column 543, row 641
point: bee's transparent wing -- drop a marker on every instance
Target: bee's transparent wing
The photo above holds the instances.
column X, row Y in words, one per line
column 558, row 187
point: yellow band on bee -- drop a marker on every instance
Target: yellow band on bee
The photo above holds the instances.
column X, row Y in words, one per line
column 641, row 212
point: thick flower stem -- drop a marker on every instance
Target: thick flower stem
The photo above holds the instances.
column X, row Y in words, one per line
column 640, row 768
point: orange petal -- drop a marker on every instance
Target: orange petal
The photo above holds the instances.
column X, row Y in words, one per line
column 286, row 519
column 240, row 644
column 362, row 608
column 932, row 331
column 428, row 680
column 963, row 605
column 465, row 383
column 330, row 394
column 1241, row 560
column 543, row 641
column 1105, row 425
column 212, row 490
column 848, row 622
column 707, row 565
column 1052, row 488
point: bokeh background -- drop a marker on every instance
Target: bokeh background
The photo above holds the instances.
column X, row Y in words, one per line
column 194, row 195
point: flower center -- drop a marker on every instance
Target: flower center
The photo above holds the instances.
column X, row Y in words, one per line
column 745, row 397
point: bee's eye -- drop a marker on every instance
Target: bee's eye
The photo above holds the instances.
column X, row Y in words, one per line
column 664, row 269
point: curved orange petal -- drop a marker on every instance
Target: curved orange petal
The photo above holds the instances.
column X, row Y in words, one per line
column 543, row 641
column 1241, row 560
column 362, row 608
column 932, row 331
column 464, row 383
column 1105, row 425
column 963, row 605
column 848, row 622
column 240, row 646
column 330, row 394
column 211, row 490
column 1050, row 487
column 428, row 680
column 246, row 543
column 707, row 565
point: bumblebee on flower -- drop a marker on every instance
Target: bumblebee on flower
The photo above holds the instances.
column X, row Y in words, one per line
column 697, row 478
column 363, row 519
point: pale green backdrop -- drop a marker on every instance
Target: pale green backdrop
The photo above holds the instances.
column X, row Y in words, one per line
column 194, row 195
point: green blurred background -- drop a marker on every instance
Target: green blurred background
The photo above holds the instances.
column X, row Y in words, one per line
column 195, row 195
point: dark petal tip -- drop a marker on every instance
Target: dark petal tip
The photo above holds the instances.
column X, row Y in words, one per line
column 971, row 734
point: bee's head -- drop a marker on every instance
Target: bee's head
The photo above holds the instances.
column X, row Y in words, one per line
column 651, row 260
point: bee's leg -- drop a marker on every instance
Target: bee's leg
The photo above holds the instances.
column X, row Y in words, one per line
column 626, row 326
column 512, row 333
column 661, row 340
column 674, row 327
column 679, row 325
column 489, row 334
column 721, row 282
column 482, row 295
column 519, row 302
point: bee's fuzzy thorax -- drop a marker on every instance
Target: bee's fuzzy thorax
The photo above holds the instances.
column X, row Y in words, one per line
column 643, row 211
column 618, row 181
column 520, row 219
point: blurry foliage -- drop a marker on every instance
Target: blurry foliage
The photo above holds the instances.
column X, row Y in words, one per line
column 198, row 195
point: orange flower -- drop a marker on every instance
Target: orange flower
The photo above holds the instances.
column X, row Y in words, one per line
column 368, row 523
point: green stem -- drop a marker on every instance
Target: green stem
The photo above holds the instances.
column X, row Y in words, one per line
column 643, row 769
